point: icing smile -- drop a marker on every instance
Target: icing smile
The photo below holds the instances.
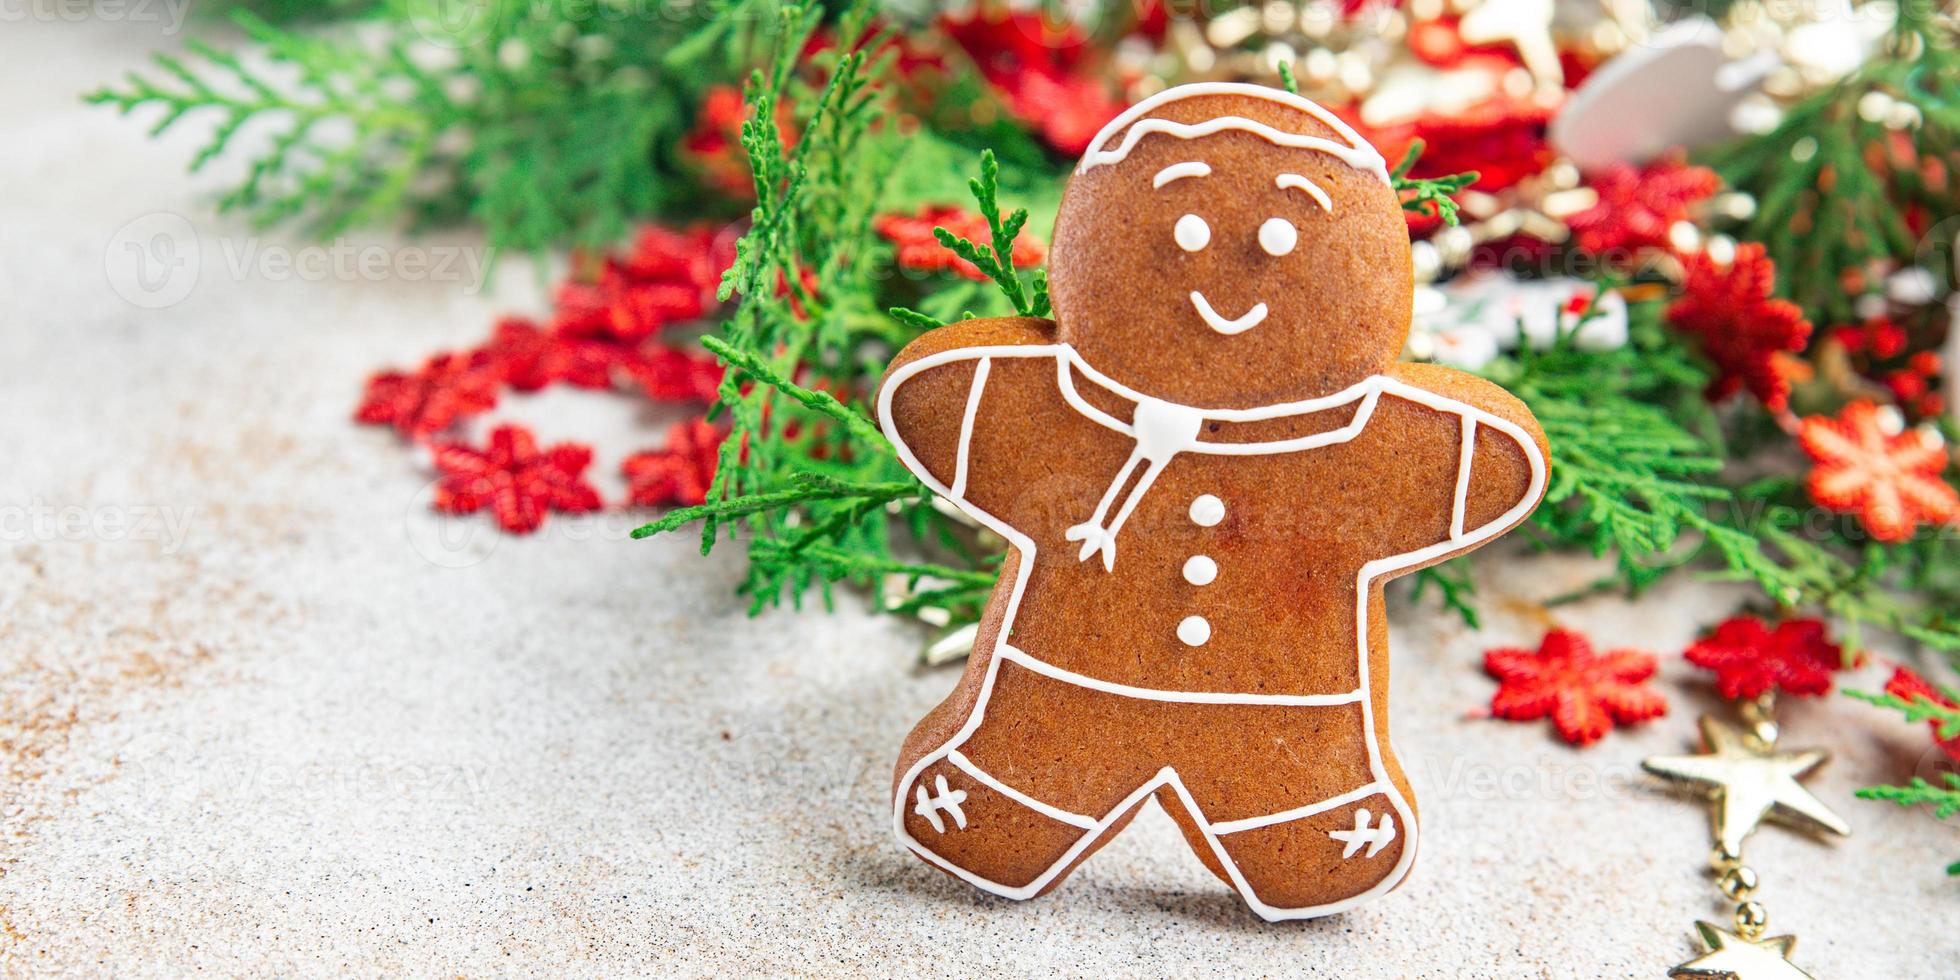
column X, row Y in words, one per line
column 1246, row 321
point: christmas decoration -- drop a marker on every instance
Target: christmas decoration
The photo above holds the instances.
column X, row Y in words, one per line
column 1638, row 208
column 1583, row 692
column 678, row 473
column 446, row 389
column 515, row 479
column 1751, row 659
column 1870, row 465
column 1677, row 89
column 1748, row 779
column 1729, row 309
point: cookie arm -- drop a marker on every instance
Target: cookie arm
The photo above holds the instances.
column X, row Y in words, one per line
column 1503, row 459
column 932, row 391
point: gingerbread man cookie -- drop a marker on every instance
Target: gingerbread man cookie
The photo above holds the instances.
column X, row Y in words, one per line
column 1207, row 466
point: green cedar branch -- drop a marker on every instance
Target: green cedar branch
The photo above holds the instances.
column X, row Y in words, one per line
column 1420, row 194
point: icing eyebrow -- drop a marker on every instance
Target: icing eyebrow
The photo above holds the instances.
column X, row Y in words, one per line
column 1190, row 168
column 1297, row 182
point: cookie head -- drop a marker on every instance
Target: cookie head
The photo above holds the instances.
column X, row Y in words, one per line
column 1228, row 246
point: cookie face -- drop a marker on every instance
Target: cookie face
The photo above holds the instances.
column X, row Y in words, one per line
column 1231, row 248
column 1205, row 476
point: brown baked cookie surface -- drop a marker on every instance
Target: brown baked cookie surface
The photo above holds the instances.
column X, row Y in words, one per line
column 1207, row 466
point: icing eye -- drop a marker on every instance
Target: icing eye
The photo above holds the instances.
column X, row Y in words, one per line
column 1278, row 236
column 1191, row 233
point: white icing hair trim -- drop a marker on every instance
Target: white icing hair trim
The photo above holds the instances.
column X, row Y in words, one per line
column 1355, row 153
column 1192, row 168
column 1297, row 182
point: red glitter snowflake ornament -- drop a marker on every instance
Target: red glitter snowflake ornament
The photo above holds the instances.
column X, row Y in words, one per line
column 1750, row 659
column 1585, row 693
column 444, row 390
column 1742, row 329
column 1637, row 207
column 516, row 480
column 679, row 474
column 1870, row 465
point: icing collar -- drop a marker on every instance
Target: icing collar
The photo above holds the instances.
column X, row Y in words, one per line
column 1366, row 392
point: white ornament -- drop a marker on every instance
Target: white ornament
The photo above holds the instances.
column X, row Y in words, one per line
column 1676, row 89
column 1466, row 322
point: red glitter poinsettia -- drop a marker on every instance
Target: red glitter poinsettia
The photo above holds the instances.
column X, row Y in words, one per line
column 1746, row 332
column 1041, row 70
column 1870, row 465
column 1637, row 206
column 680, row 473
column 1910, row 687
column 920, row 251
column 1750, row 659
column 1585, row 693
column 515, row 479
column 447, row 388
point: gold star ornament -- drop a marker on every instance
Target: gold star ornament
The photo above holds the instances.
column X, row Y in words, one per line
column 1749, row 780
column 1736, row 958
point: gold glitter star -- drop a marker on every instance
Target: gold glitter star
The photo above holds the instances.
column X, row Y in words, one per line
column 1751, row 780
column 1737, row 958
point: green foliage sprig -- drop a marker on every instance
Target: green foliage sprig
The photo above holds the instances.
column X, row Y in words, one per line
column 1421, row 194
column 1918, row 710
column 805, row 474
column 545, row 122
column 1945, row 800
column 997, row 260
column 1831, row 194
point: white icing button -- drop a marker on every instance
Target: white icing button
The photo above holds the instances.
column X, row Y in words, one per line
column 1194, row 631
column 1207, row 511
column 1278, row 236
column 1200, row 570
column 1191, row 233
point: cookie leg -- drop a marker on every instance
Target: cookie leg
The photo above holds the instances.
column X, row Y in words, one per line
column 1310, row 865
column 971, row 825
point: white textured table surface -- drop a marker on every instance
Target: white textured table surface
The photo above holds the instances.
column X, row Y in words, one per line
column 256, row 714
